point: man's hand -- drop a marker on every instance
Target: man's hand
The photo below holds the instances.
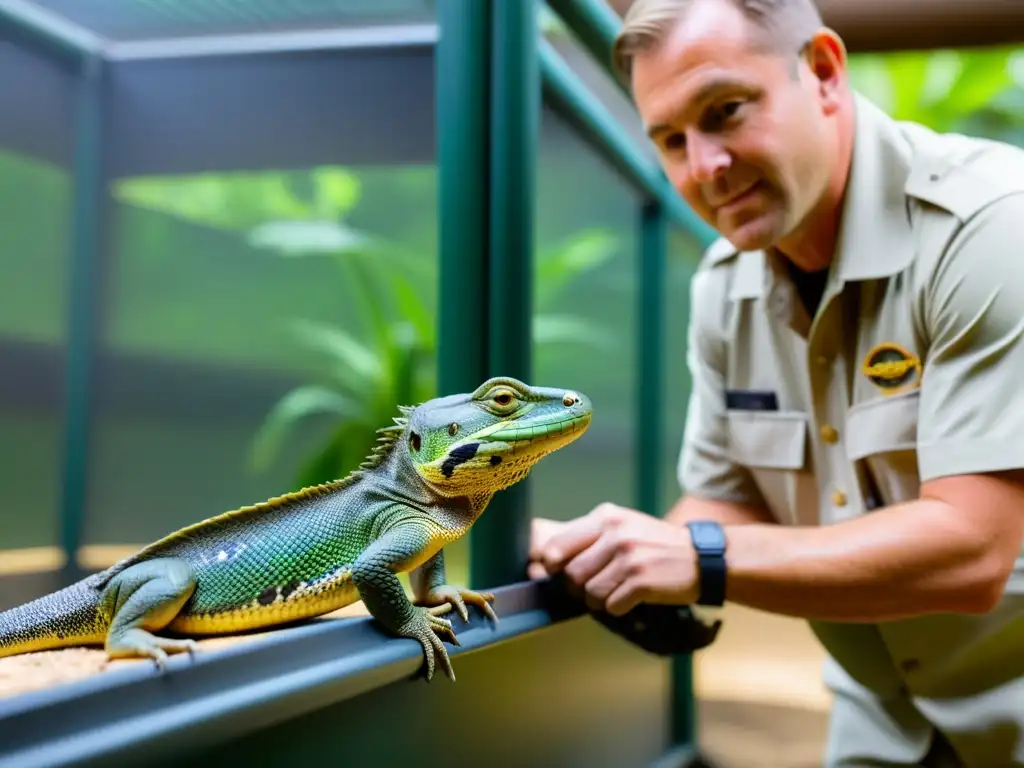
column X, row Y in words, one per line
column 619, row 558
column 541, row 531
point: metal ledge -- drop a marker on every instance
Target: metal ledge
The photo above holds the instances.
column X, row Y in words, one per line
column 139, row 714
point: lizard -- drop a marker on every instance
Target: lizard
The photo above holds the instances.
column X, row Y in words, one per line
column 309, row 552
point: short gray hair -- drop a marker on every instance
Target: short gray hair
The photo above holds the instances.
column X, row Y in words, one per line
column 785, row 25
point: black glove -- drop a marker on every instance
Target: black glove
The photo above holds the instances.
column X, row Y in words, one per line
column 665, row 630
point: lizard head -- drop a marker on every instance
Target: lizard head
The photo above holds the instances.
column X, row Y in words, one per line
column 466, row 445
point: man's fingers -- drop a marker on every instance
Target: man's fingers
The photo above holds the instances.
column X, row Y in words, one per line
column 569, row 542
column 591, row 561
column 541, row 531
column 536, row 571
column 625, row 597
column 603, row 584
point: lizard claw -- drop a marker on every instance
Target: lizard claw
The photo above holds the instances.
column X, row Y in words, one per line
column 442, row 599
column 428, row 629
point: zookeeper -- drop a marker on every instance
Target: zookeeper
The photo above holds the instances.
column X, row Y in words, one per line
column 855, row 435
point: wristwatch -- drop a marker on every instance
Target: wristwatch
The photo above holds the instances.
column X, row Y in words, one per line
column 709, row 542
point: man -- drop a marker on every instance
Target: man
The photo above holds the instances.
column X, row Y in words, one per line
column 856, row 425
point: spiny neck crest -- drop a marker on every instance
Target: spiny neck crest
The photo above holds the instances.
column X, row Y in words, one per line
column 386, row 439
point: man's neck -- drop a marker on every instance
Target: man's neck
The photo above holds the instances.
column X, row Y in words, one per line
column 812, row 245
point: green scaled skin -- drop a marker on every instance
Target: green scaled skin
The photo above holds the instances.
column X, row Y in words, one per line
column 316, row 550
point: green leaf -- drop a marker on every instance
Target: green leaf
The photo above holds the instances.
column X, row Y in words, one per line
column 412, row 309
column 909, row 72
column 983, row 76
column 583, row 252
column 355, row 364
column 306, row 238
column 298, row 404
column 337, row 192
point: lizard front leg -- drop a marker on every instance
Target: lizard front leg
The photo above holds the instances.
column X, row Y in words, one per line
column 374, row 574
column 430, row 588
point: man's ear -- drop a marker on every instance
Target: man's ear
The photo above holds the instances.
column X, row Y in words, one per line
column 826, row 57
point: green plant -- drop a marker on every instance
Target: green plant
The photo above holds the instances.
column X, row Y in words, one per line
column 391, row 360
column 943, row 89
column 387, row 355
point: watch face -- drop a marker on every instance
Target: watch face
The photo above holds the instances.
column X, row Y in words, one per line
column 707, row 536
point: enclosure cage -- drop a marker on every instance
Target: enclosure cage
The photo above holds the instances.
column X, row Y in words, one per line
column 234, row 237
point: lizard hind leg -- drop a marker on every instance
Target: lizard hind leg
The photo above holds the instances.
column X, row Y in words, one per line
column 144, row 599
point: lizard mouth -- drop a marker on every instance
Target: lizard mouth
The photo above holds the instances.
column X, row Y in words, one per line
column 517, row 432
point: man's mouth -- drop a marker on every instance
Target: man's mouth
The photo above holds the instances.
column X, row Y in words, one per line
column 740, row 198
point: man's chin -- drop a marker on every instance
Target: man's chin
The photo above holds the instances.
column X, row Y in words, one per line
column 754, row 234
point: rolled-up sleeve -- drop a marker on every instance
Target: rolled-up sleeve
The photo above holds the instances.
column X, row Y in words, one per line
column 704, row 467
column 971, row 416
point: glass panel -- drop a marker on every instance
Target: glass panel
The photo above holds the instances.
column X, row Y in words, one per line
column 585, row 329
column 595, row 77
column 146, row 19
column 36, row 124
column 682, row 260
column 261, row 325
column 585, row 319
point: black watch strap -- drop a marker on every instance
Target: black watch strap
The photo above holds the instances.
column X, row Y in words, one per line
column 709, row 542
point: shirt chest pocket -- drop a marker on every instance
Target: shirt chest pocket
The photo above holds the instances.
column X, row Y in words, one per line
column 883, row 433
column 772, row 445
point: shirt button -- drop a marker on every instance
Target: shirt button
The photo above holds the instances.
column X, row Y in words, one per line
column 909, row 665
column 839, row 498
column 829, row 433
column 821, row 361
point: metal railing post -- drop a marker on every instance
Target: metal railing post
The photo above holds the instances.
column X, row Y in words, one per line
column 500, row 538
column 84, row 310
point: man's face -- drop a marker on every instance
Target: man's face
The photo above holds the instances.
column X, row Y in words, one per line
column 744, row 139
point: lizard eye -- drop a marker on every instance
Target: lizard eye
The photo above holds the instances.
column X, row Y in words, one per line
column 503, row 398
column 452, row 429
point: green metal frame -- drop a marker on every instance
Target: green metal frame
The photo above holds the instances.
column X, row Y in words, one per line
column 463, row 126
column 84, row 289
column 500, row 539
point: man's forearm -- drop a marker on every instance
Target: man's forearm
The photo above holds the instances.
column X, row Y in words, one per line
column 690, row 507
column 915, row 558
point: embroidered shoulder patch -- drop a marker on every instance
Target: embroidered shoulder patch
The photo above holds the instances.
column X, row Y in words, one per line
column 892, row 368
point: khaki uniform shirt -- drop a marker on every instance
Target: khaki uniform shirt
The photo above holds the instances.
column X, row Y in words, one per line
column 912, row 369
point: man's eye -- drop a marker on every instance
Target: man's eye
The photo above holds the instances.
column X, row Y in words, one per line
column 728, row 110
column 675, row 141
column 716, row 118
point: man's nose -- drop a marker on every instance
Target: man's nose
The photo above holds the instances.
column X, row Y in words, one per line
column 707, row 159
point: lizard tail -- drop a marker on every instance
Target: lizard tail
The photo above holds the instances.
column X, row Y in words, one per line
column 70, row 616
